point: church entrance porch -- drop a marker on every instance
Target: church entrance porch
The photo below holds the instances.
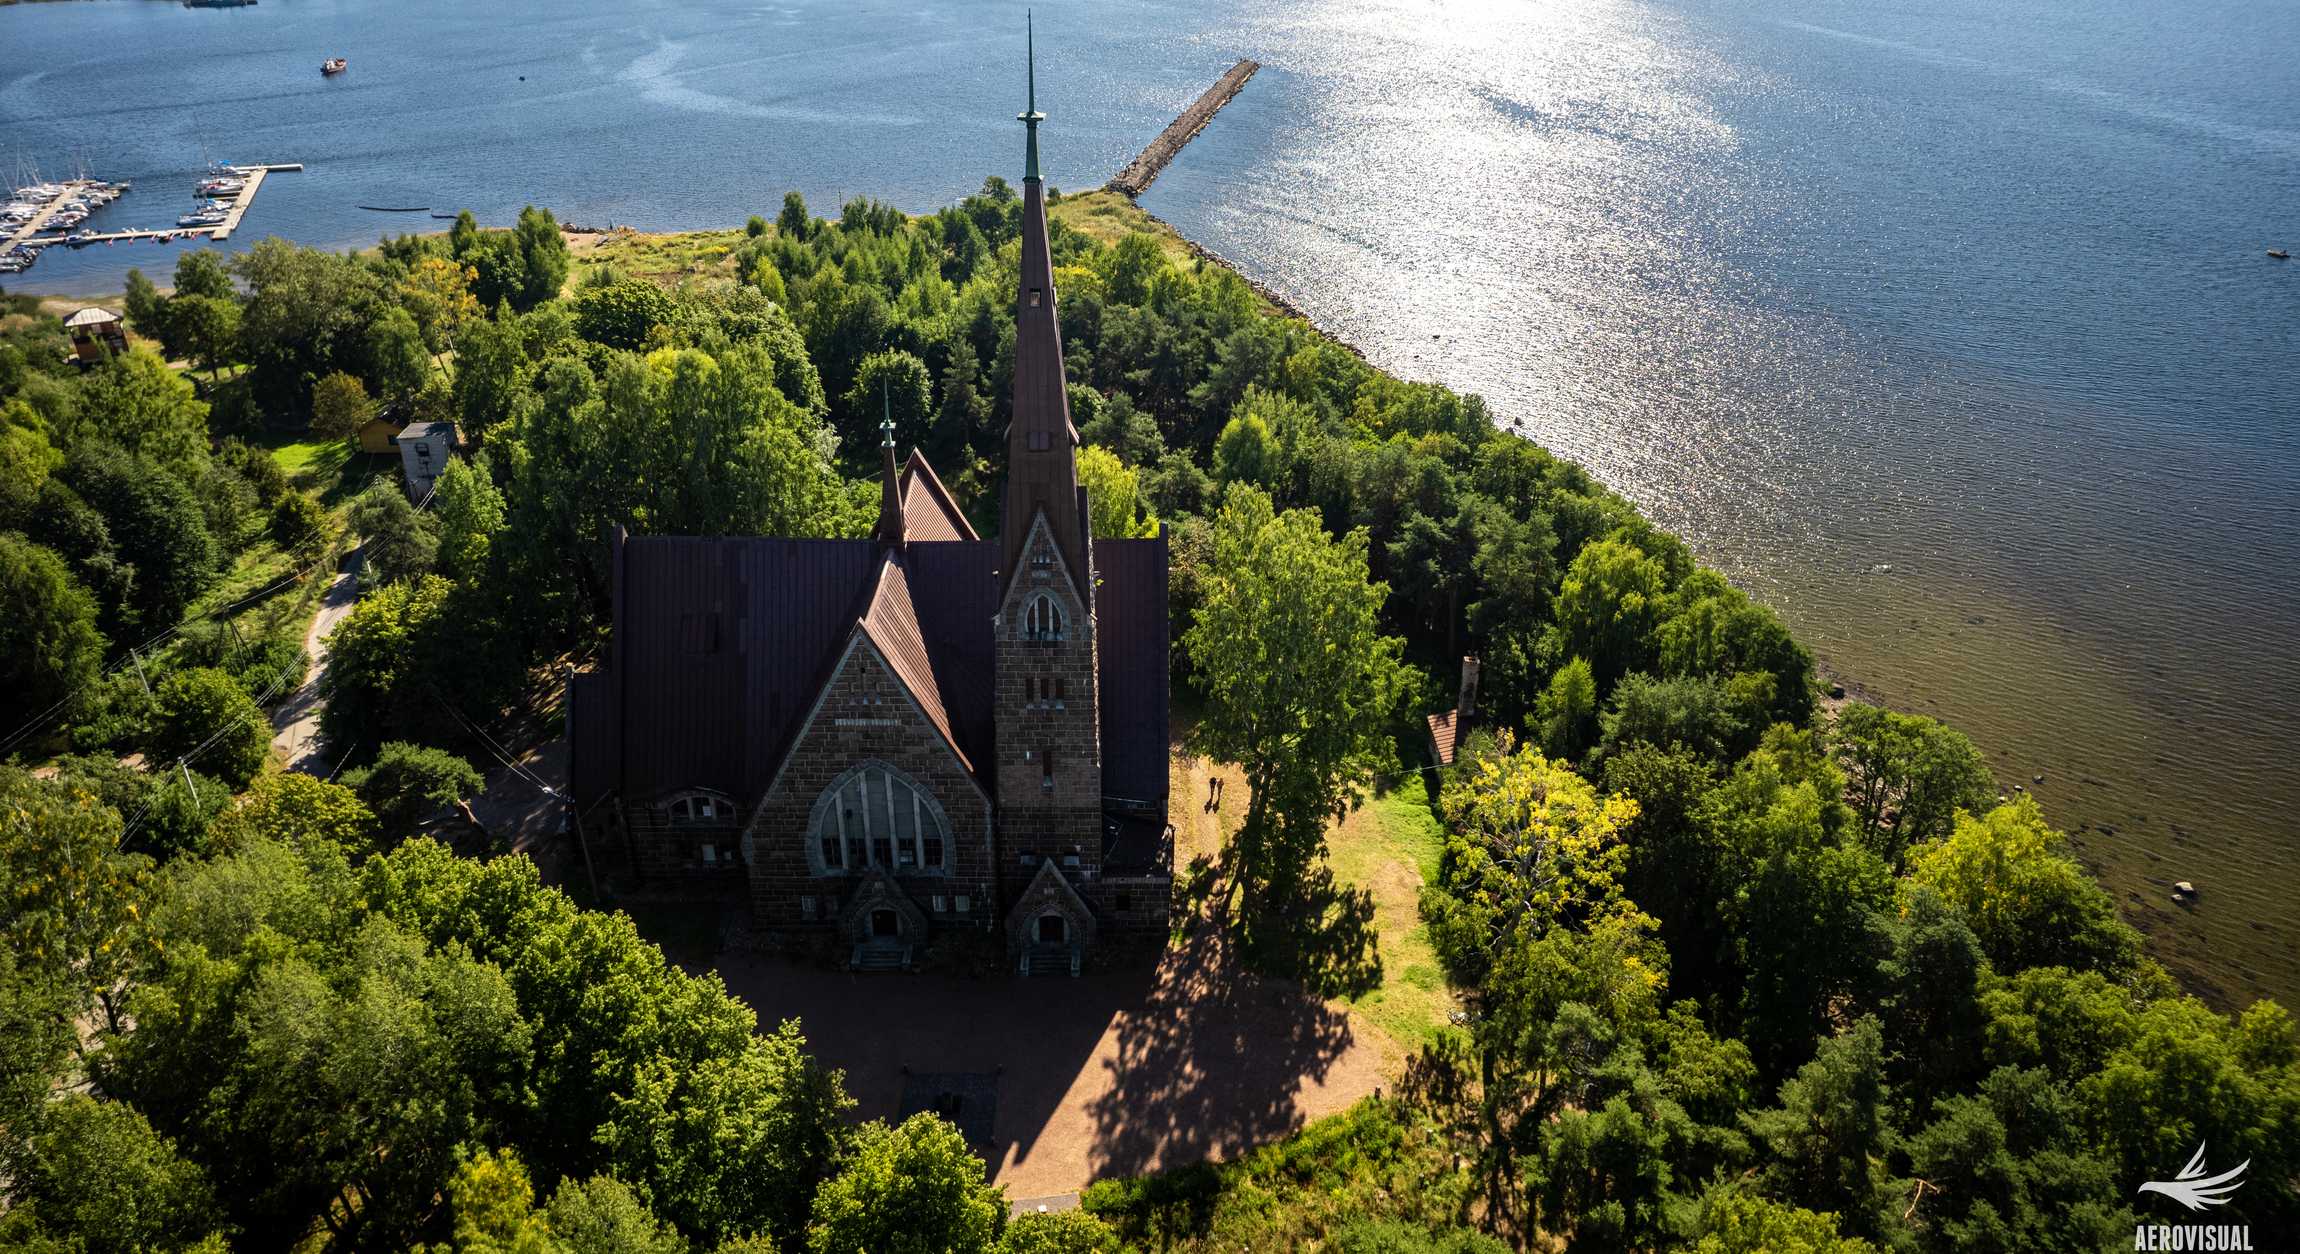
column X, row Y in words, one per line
column 883, row 927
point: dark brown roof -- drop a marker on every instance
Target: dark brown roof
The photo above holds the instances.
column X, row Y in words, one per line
column 1131, row 649
column 723, row 644
column 1041, row 443
column 928, row 511
column 891, row 622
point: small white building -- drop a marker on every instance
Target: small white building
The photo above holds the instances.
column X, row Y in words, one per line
column 424, row 448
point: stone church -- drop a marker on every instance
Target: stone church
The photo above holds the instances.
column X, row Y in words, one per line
column 921, row 733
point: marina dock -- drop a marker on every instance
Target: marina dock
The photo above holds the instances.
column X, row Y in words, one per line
column 1138, row 175
column 29, row 236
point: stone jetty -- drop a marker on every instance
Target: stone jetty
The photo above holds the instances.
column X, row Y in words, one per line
column 1138, row 175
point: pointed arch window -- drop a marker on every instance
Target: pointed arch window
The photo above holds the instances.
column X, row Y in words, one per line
column 1042, row 620
column 878, row 817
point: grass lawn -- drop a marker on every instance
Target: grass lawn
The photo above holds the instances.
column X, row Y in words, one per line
column 1389, row 847
column 664, row 258
column 1107, row 217
column 311, row 461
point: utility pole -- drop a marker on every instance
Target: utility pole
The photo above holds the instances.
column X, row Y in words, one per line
column 140, row 672
column 187, row 774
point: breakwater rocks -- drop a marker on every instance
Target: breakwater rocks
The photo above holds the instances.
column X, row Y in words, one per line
column 1139, row 174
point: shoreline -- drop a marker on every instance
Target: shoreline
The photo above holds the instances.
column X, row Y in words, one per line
column 1113, row 210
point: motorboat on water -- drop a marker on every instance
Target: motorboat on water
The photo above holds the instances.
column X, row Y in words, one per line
column 2279, row 254
column 334, row 65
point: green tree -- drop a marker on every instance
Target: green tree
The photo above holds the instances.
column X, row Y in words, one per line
column 154, row 524
column 470, row 511
column 376, row 681
column 1299, row 686
column 1559, row 967
column 1607, row 607
column 208, row 328
column 36, row 1038
column 602, row 1215
column 147, row 310
column 407, row 782
column 298, row 811
column 962, row 425
column 74, row 915
column 1568, row 711
column 2011, row 1170
column 492, row 1203
column 135, row 402
column 298, row 519
column 398, row 544
column 622, row 314
column 203, row 272
column 543, row 258
column 96, row 1177
column 1909, row 776
column 1735, row 1221
column 2029, row 902
column 491, row 371
column 397, row 363
column 1057, row 1232
column 1114, row 497
column 890, row 382
column 49, row 646
column 307, row 314
column 1246, row 452
column 914, row 1188
column 340, row 407
column 792, row 222
column 205, row 714
column 1827, row 1140
column 1696, row 714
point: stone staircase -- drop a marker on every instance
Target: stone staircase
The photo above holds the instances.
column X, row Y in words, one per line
column 879, row 955
column 1051, row 960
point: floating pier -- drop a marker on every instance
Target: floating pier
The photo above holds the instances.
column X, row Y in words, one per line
column 1137, row 176
column 29, row 234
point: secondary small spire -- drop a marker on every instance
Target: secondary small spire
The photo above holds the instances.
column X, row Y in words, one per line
column 892, row 527
column 1030, row 117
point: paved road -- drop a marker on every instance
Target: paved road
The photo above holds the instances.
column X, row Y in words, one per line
column 295, row 724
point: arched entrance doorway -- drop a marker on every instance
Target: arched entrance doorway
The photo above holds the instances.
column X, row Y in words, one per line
column 1053, row 929
column 885, row 924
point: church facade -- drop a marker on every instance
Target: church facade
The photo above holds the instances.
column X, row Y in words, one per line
column 922, row 733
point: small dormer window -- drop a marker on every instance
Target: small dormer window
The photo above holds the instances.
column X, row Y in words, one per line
column 701, row 810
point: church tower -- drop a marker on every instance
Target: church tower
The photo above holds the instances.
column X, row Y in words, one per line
column 1048, row 739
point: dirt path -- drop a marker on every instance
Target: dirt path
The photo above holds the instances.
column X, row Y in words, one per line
column 295, row 724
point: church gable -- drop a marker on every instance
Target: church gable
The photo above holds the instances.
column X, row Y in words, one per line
column 867, row 711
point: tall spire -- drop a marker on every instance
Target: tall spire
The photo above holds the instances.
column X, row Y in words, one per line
column 891, row 527
column 1041, row 444
column 1030, row 117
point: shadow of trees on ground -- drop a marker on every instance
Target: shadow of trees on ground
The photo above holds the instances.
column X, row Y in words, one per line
column 1212, row 1060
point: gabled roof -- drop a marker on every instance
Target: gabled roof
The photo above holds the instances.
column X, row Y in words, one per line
column 1447, row 729
column 91, row 317
column 928, row 511
column 891, row 623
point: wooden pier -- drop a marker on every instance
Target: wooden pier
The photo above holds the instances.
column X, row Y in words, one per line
column 1137, row 176
column 241, row 201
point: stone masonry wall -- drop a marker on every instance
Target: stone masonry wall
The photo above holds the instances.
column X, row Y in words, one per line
column 867, row 716
column 1051, row 822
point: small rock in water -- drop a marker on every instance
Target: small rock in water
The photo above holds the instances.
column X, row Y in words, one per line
column 2036, row 779
column 2019, row 788
column 2184, row 889
column 1836, row 692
